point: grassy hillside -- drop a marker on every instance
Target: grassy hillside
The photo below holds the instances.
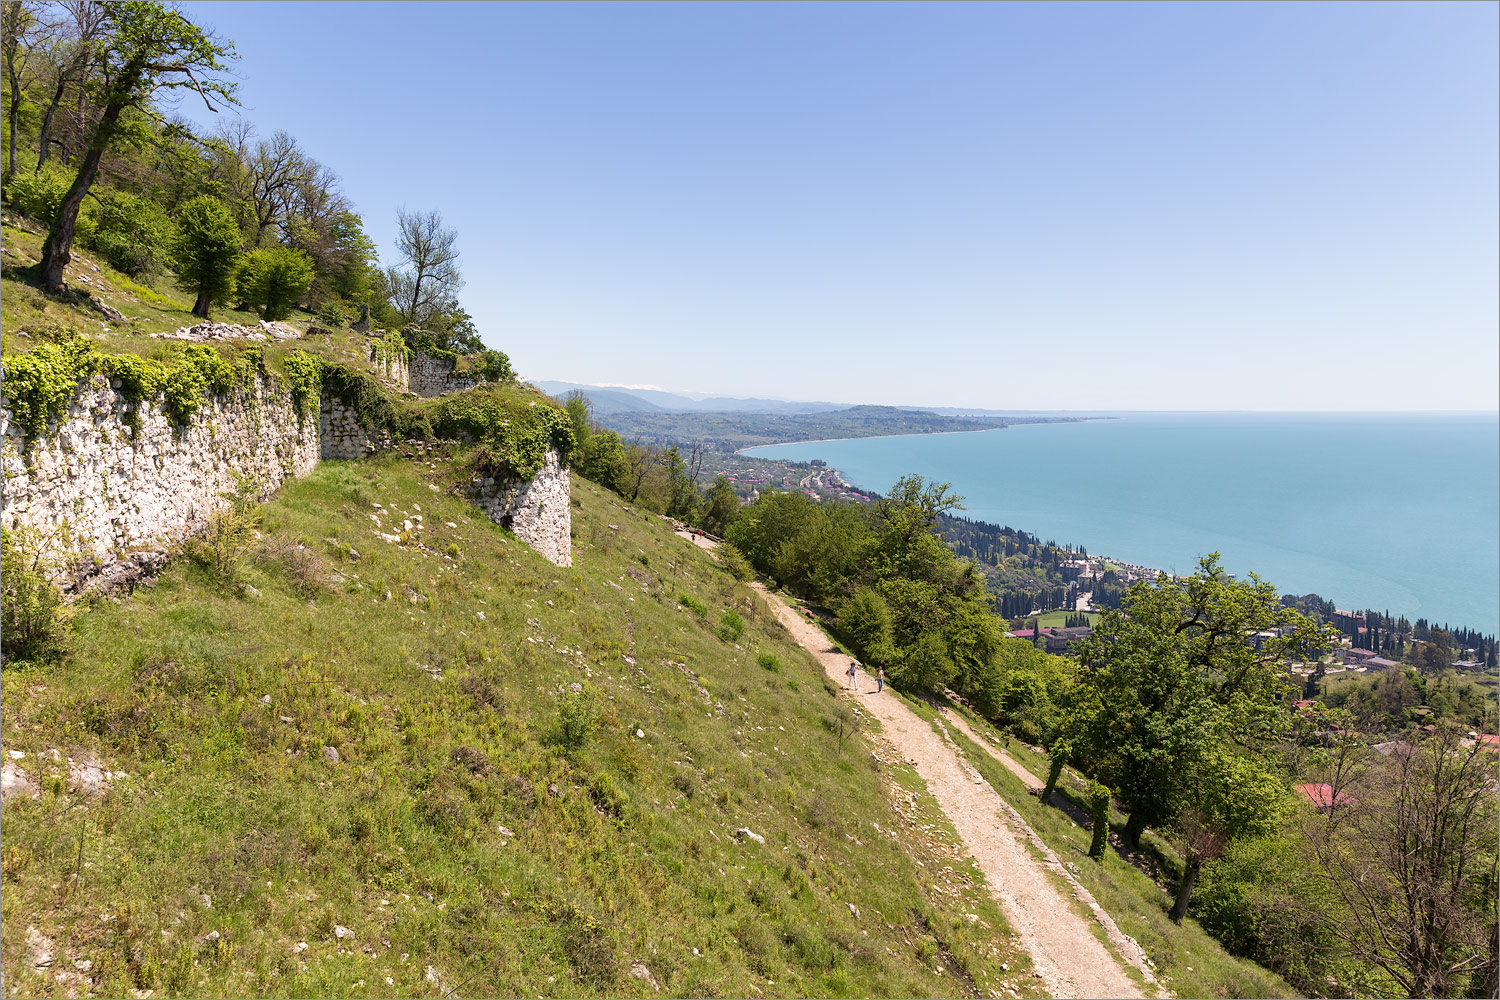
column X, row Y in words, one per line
column 540, row 773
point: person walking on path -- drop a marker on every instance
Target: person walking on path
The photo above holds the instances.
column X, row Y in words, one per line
column 853, row 673
column 879, row 679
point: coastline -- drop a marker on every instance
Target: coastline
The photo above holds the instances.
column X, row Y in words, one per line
column 1403, row 586
column 924, row 434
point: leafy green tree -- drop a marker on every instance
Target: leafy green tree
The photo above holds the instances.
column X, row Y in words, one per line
column 720, row 507
column 864, row 619
column 147, row 49
column 131, row 233
column 601, row 459
column 206, row 251
column 1172, row 677
column 273, row 280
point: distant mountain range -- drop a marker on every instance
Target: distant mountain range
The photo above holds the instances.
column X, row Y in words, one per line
column 619, row 399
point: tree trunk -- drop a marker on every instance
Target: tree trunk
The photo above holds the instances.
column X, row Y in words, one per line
column 1101, row 829
column 15, row 123
column 1134, row 827
column 57, row 251
column 200, row 306
column 44, row 143
column 1054, row 772
column 1185, row 887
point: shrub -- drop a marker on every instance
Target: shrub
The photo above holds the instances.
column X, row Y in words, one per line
column 133, row 234
column 229, row 531
column 333, row 315
column 768, row 661
column 694, row 605
column 577, row 716
column 33, row 617
column 492, row 366
column 40, row 195
column 731, row 626
column 273, row 280
column 734, row 560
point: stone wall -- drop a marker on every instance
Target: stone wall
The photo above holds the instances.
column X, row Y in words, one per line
column 343, row 436
column 392, row 368
column 112, row 500
column 537, row 510
column 430, row 376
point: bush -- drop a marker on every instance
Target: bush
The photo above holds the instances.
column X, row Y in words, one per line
column 577, row 716
column 273, row 280
column 229, row 530
column 333, row 315
column 133, row 234
column 768, row 661
column 40, row 195
column 731, row 626
column 33, row 617
column 734, row 560
column 694, row 605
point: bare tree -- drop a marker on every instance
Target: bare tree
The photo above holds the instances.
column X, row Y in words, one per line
column 1409, row 867
column 428, row 275
column 69, row 56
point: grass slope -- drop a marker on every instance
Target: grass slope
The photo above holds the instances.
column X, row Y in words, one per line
column 462, row 844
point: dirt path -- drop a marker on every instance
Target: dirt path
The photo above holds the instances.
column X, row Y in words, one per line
column 1070, row 959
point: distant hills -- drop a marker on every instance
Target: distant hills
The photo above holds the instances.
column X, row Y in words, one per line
column 609, row 399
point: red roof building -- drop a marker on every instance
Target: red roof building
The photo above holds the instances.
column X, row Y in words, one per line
column 1321, row 796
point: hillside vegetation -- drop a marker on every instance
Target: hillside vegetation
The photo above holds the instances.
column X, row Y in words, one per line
column 449, row 767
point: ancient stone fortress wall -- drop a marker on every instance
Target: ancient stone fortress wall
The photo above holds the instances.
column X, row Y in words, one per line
column 537, row 510
column 388, row 362
column 113, row 499
column 430, row 376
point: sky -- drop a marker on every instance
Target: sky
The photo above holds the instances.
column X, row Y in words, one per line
column 1013, row 206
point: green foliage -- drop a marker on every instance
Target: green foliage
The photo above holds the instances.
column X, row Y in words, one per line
column 333, row 315
column 1171, row 680
column 735, row 562
column 220, row 548
column 601, row 459
column 304, row 374
column 371, row 404
column 205, row 249
column 272, row 280
column 132, row 233
column 864, row 621
column 491, row 366
column 768, row 661
column 40, row 383
column 731, row 626
column 40, row 194
column 577, row 716
column 516, row 427
column 694, row 605
column 33, row 616
column 720, row 507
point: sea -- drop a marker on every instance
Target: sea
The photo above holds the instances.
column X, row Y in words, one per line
column 1395, row 512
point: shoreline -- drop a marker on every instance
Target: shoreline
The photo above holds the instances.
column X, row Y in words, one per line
column 876, row 437
column 1125, row 564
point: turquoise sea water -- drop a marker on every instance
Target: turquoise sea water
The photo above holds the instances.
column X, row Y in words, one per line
column 1396, row 512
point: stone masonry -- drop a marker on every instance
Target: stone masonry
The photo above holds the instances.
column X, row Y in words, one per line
column 430, row 376
column 537, row 510
column 112, row 500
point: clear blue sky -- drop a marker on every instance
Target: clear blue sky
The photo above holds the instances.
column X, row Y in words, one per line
column 1112, row 206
